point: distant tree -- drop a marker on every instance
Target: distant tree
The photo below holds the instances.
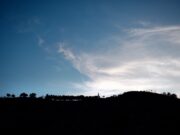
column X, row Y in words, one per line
column 32, row 95
column 13, row 96
column 169, row 94
column 8, row 95
column 47, row 96
column 174, row 95
column 23, row 95
column 98, row 95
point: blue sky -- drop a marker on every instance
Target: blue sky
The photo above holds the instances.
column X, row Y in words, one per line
column 89, row 46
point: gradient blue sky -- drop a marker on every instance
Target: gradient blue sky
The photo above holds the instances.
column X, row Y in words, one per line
column 89, row 46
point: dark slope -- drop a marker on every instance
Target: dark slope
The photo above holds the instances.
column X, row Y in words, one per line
column 136, row 113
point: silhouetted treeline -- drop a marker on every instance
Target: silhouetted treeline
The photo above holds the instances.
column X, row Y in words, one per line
column 131, row 113
column 82, row 97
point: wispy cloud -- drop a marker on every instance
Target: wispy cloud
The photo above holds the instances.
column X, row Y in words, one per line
column 28, row 25
column 146, row 58
column 154, row 30
column 41, row 41
column 144, row 23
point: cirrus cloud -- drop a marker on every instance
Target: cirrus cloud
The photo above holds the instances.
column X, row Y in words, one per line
column 146, row 58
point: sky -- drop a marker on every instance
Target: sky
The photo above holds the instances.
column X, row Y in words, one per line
column 86, row 47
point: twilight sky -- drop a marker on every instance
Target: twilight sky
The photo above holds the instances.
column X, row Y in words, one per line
column 89, row 46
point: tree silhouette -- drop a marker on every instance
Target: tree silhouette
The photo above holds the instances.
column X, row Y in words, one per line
column 23, row 95
column 170, row 94
column 8, row 95
column 32, row 95
column 174, row 95
column 13, row 96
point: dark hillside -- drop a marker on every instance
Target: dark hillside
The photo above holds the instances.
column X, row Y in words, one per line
column 136, row 113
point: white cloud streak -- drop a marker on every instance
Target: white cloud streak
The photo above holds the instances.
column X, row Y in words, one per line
column 41, row 41
column 147, row 58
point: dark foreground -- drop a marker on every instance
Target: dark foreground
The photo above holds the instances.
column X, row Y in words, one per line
column 133, row 113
